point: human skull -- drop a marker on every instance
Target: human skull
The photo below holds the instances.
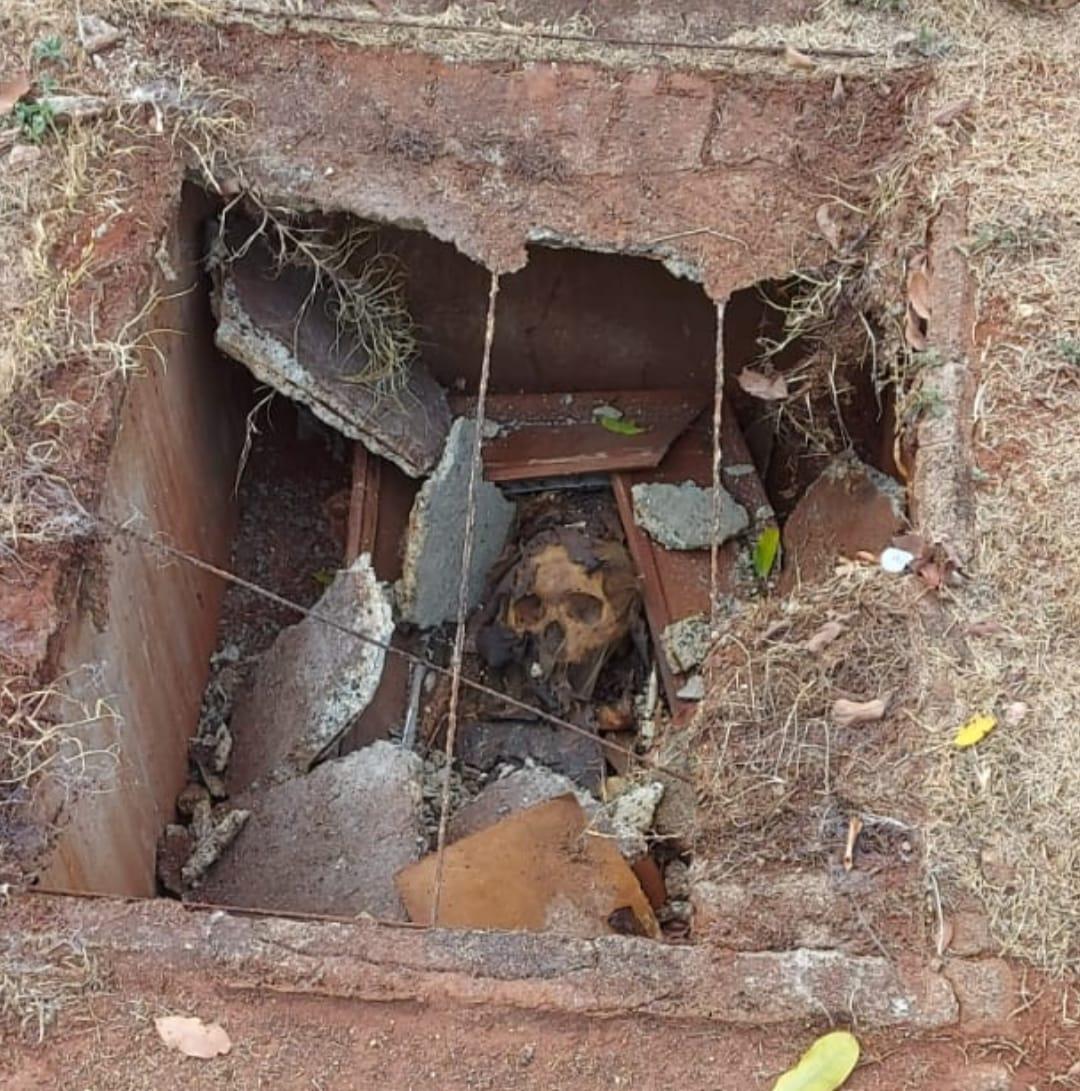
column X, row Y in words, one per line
column 574, row 613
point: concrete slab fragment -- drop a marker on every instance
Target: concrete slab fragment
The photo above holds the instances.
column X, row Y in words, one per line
column 329, row 842
column 682, row 516
column 508, row 795
column 313, row 682
column 270, row 322
column 431, row 575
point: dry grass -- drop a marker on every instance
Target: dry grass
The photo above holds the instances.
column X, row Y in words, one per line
column 1000, row 820
column 363, row 287
column 40, row 976
column 778, row 777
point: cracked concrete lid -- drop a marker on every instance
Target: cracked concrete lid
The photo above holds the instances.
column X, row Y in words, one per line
column 270, row 321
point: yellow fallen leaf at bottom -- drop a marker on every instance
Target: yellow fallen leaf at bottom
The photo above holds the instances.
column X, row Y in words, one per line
column 975, row 730
column 825, row 1066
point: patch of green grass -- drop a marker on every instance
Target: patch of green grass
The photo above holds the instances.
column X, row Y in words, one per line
column 35, row 119
column 1027, row 234
column 1068, row 349
column 931, row 44
column 49, row 49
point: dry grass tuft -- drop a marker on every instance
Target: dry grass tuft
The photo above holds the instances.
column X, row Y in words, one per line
column 999, row 819
column 364, row 288
column 40, row 976
column 779, row 778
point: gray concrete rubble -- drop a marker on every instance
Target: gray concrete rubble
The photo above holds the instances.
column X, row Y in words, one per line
column 693, row 689
column 686, row 642
column 630, row 817
column 329, row 842
column 435, row 539
column 269, row 320
column 682, row 516
column 313, row 682
column 515, row 792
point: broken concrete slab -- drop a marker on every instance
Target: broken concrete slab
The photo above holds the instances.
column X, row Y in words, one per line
column 214, row 833
column 851, row 507
column 540, row 870
column 434, row 544
column 630, row 816
column 786, row 908
column 682, row 516
column 693, row 689
column 329, row 842
column 485, row 745
column 516, row 792
column 278, row 323
column 686, row 642
column 607, row 976
column 313, row 682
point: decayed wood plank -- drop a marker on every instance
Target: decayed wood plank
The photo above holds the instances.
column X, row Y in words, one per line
column 557, row 435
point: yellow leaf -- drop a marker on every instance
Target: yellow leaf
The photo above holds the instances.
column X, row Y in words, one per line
column 766, row 550
column 825, row 1066
column 975, row 730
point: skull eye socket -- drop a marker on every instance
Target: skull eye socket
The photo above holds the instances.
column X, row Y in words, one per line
column 584, row 608
column 529, row 610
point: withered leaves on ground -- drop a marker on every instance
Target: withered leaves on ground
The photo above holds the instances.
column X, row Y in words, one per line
column 11, row 90
column 767, row 388
column 192, row 1037
column 847, row 713
column 824, row 636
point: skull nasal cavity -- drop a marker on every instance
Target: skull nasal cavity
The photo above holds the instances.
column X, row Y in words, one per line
column 584, row 608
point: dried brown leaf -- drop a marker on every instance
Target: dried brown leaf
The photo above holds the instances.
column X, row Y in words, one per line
column 829, row 228
column 824, row 636
column 797, row 59
column 932, row 574
column 12, row 90
column 913, row 333
column 915, row 544
column 855, row 825
column 838, row 92
column 192, row 1037
column 761, row 386
column 987, row 627
column 847, row 713
column 952, row 111
column 1015, row 713
column 918, row 290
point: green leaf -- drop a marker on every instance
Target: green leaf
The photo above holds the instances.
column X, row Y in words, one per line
column 825, row 1066
column 766, row 550
column 621, row 426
